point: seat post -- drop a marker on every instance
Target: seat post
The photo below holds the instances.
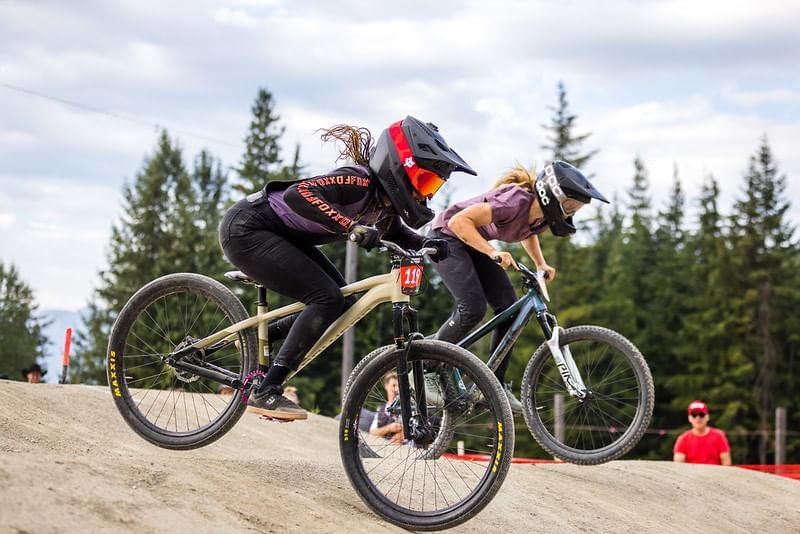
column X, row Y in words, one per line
column 263, row 337
column 262, row 296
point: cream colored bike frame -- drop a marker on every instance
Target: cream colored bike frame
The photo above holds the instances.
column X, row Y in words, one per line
column 377, row 290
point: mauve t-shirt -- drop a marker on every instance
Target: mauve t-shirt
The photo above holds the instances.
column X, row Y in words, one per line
column 510, row 206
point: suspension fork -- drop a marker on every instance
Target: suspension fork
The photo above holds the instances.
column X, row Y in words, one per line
column 417, row 429
column 562, row 355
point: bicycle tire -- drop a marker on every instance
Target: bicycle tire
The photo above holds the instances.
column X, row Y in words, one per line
column 499, row 443
column 607, row 435
column 360, row 365
column 131, row 387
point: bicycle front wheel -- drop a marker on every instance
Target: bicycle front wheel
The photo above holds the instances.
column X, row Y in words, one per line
column 619, row 403
column 170, row 407
column 401, row 480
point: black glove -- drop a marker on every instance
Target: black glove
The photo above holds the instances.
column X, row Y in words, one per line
column 365, row 237
column 441, row 246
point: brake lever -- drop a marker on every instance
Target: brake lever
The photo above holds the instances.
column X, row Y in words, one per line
column 541, row 275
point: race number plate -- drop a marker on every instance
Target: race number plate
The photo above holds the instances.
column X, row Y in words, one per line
column 410, row 277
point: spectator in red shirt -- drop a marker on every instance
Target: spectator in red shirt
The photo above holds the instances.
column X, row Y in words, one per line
column 702, row 444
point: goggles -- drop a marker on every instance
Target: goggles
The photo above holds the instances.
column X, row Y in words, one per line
column 424, row 181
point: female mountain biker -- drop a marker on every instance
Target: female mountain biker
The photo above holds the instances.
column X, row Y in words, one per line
column 272, row 235
column 516, row 210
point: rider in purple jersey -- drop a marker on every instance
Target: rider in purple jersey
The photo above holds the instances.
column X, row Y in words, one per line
column 272, row 235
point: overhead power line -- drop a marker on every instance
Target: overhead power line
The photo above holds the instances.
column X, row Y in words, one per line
column 116, row 115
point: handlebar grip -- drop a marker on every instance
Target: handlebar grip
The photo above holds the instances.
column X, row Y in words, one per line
column 497, row 259
column 430, row 251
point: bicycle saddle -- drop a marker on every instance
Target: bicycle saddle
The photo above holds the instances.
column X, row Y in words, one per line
column 239, row 276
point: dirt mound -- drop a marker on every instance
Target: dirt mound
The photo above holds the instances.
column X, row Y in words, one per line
column 69, row 463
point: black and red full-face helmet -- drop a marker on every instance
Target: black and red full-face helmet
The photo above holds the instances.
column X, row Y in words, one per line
column 413, row 156
column 558, row 182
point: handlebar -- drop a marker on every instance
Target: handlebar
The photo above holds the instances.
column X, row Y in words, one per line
column 524, row 270
column 534, row 276
column 394, row 247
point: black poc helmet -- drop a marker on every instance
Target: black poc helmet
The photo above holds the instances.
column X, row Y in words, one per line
column 413, row 156
column 554, row 185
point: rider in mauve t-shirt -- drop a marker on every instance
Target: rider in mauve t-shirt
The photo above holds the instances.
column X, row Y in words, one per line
column 517, row 209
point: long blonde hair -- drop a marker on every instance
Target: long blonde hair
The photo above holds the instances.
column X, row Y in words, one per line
column 517, row 175
column 357, row 142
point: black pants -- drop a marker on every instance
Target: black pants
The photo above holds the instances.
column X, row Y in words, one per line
column 474, row 280
column 260, row 245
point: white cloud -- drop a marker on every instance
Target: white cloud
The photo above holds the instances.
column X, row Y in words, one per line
column 7, row 220
column 674, row 81
column 235, row 17
column 756, row 98
column 59, row 233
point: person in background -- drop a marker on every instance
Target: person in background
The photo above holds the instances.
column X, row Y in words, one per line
column 702, row 444
column 519, row 207
column 33, row 374
column 386, row 424
column 290, row 392
column 225, row 390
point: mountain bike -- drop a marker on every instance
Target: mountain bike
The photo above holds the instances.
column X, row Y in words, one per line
column 182, row 336
column 587, row 392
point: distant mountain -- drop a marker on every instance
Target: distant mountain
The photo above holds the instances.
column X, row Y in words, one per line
column 55, row 332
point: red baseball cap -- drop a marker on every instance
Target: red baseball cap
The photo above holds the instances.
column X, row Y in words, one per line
column 698, row 406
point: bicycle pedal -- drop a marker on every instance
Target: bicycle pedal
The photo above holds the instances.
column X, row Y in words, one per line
column 275, row 419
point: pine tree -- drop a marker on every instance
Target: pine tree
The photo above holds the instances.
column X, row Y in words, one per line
column 668, row 279
column 261, row 162
column 638, row 246
column 564, row 145
column 667, row 283
column 21, row 339
column 763, row 257
column 169, row 224
column 707, row 366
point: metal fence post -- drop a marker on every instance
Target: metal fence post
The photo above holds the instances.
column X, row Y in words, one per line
column 558, row 409
column 348, row 340
column 780, row 436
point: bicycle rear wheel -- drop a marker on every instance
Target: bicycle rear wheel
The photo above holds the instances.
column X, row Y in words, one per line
column 174, row 408
column 617, row 411
column 402, row 481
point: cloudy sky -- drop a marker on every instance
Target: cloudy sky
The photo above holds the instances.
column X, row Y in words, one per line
column 695, row 84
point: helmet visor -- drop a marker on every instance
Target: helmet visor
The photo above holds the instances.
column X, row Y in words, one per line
column 426, row 183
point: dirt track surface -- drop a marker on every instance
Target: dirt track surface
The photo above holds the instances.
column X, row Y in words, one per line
column 69, row 463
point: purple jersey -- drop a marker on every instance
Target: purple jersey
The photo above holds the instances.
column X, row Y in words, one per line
column 323, row 208
column 510, row 204
column 329, row 204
